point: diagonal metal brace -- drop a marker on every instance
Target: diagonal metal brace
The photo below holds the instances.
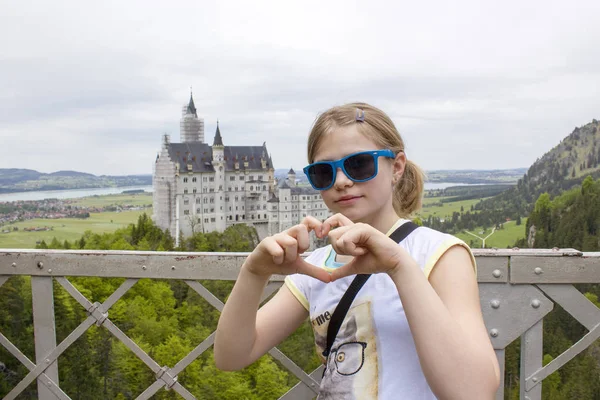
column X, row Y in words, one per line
column 164, row 375
column 97, row 311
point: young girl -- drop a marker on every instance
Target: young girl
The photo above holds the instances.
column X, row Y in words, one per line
column 415, row 329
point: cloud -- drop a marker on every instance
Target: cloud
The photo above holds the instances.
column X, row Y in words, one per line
column 92, row 87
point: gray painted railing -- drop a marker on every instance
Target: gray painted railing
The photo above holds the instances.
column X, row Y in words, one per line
column 517, row 288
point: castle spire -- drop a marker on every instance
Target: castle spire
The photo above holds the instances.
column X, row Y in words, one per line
column 218, row 139
column 191, row 108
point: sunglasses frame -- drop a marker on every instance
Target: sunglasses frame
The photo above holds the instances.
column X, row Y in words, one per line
column 340, row 164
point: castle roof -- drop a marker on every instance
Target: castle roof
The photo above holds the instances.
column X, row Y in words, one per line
column 191, row 108
column 218, row 139
column 201, row 157
column 291, row 171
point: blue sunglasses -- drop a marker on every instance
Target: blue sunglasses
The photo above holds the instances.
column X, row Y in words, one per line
column 358, row 167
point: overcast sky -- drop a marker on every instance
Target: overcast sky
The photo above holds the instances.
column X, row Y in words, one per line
column 92, row 86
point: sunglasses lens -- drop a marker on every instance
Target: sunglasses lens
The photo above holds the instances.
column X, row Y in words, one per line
column 360, row 166
column 321, row 175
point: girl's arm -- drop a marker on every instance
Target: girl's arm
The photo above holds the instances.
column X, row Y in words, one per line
column 243, row 334
column 445, row 319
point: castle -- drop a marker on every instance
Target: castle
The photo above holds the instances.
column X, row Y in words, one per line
column 203, row 188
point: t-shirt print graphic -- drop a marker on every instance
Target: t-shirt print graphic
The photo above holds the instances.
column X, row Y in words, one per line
column 351, row 368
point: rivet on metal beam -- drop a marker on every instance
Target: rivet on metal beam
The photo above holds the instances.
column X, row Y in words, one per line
column 534, row 379
column 495, row 303
column 494, row 333
column 14, row 265
column 40, row 265
column 497, row 273
column 144, row 267
column 172, row 267
column 538, row 271
column 535, row 303
column 50, row 271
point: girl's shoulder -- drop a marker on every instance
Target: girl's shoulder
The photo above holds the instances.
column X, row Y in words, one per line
column 428, row 245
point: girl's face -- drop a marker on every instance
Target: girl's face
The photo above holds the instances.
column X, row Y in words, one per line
column 371, row 201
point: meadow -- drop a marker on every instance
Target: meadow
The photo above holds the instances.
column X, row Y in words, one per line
column 141, row 199
column 66, row 228
column 501, row 239
column 432, row 207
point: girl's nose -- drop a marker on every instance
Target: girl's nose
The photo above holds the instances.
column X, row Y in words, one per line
column 341, row 180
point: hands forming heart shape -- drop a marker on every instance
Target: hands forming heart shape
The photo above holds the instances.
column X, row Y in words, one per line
column 372, row 251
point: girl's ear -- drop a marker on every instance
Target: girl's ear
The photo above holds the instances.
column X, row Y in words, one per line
column 399, row 165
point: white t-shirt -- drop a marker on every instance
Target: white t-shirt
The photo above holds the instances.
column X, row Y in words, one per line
column 373, row 355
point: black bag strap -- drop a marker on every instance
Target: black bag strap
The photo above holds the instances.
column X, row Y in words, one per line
column 342, row 308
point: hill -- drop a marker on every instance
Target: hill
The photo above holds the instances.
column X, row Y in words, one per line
column 23, row 180
column 562, row 168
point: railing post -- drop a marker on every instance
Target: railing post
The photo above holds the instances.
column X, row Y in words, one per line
column 532, row 342
column 501, row 362
column 44, row 330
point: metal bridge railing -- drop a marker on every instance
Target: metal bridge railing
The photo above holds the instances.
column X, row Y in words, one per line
column 517, row 288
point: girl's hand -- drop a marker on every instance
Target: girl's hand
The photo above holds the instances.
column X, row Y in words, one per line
column 373, row 251
column 280, row 253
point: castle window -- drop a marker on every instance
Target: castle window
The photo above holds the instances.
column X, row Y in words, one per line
column 251, row 177
column 212, row 200
column 264, row 206
column 230, row 208
column 194, row 190
column 252, row 216
column 212, row 210
column 220, row 169
column 221, row 208
column 211, row 179
column 265, row 216
column 203, row 190
column 251, row 187
column 243, row 216
column 241, row 177
column 204, row 179
column 194, row 179
column 205, row 200
column 184, row 180
column 198, row 211
column 260, row 177
column 198, row 201
column 264, row 187
column 232, row 178
column 236, row 198
column 185, row 191
column 211, row 190
column 230, row 217
column 199, row 220
column 226, row 198
column 186, row 202
column 206, row 220
column 186, row 212
column 220, row 187
column 206, row 211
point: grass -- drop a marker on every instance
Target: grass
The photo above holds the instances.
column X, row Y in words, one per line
column 141, row 199
column 66, row 228
column 445, row 209
column 501, row 239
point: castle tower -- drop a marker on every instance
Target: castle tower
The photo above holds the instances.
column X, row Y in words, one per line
column 218, row 163
column 291, row 178
column 191, row 128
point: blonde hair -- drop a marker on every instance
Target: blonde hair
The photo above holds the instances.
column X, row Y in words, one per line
column 375, row 125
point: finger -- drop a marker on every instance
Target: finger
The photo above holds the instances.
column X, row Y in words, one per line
column 289, row 246
column 300, row 233
column 337, row 220
column 345, row 270
column 313, row 224
column 312, row 270
column 346, row 246
column 273, row 249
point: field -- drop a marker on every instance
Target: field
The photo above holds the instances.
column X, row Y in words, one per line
column 142, row 199
column 66, row 228
column 501, row 239
column 445, row 209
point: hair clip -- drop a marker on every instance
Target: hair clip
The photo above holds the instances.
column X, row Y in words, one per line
column 360, row 115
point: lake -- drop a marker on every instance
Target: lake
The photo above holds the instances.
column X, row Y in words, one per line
column 77, row 193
